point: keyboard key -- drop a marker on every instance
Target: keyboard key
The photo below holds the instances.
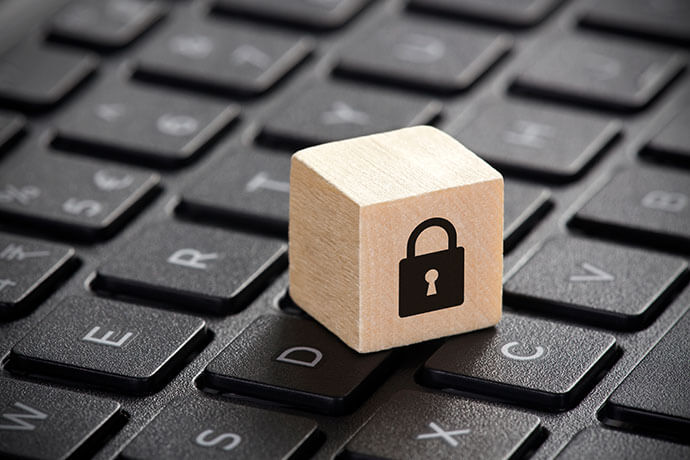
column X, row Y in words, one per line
column 35, row 77
column 643, row 205
column 609, row 74
column 71, row 197
column 516, row 13
column 535, row 141
column 327, row 112
column 316, row 14
column 108, row 344
column 523, row 361
column 200, row 268
column 107, row 24
column 247, row 187
column 223, row 57
column 424, row 54
column 40, row 422
column 143, row 124
column 653, row 396
column 418, row 425
column 204, row 428
column 28, row 269
column 664, row 20
column 598, row 283
column 297, row 362
column 10, row 127
column 523, row 206
column 672, row 142
column 597, row 442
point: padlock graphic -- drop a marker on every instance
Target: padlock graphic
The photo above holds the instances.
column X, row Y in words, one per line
column 435, row 280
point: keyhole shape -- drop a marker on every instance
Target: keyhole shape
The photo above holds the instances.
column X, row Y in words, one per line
column 431, row 277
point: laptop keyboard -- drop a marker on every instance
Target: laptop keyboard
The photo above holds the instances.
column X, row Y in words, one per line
column 144, row 165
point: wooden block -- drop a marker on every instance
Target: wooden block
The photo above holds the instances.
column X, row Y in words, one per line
column 354, row 204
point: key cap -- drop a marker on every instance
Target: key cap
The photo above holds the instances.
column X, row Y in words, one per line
column 672, row 141
column 418, row 425
column 108, row 344
column 196, row 267
column 597, row 283
column 10, row 127
column 230, row 58
column 316, row 14
column 110, row 24
column 327, row 112
column 534, row 141
column 521, row 13
column 36, row 77
column 205, row 428
column 71, row 197
column 40, row 422
column 597, row 442
column 145, row 125
column 523, row 361
column 297, row 362
column 524, row 205
column 664, row 20
column 653, row 396
column 250, row 186
column 605, row 73
column 424, row 54
column 28, row 270
column 642, row 205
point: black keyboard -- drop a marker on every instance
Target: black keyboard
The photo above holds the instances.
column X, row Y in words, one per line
column 144, row 164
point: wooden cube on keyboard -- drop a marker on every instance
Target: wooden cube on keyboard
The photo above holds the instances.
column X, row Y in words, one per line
column 396, row 238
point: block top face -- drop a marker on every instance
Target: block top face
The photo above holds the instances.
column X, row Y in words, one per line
column 396, row 165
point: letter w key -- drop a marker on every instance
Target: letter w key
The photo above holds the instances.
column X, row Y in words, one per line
column 20, row 420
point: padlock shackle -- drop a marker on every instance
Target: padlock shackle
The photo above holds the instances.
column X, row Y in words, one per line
column 433, row 222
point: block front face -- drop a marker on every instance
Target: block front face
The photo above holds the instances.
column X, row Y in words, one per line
column 474, row 265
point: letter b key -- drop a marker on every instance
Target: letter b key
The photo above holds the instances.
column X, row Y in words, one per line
column 431, row 281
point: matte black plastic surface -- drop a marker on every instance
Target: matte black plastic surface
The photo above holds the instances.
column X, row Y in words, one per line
column 108, row 344
column 597, row 283
column 204, row 428
column 523, row 361
column 200, row 268
column 296, row 362
column 415, row 425
column 39, row 422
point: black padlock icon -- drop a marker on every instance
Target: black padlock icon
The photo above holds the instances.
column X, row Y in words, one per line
column 431, row 281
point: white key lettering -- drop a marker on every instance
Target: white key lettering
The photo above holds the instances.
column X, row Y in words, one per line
column 201, row 440
column 261, row 180
column 665, row 201
column 110, row 112
column 192, row 258
column 89, row 208
column 5, row 283
column 528, row 134
column 191, row 46
column 248, row 54
column 177, row 125
column 17, row 252
column 506, row 351
column 594, row 274
column 419, row 49
column 104, row 180
column 23, row 195
column 341, row 113
column 315, row 360
column 105, row 338
column 19, row 421
column 447, row 436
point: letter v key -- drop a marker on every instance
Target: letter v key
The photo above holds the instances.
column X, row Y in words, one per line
column 595, row 274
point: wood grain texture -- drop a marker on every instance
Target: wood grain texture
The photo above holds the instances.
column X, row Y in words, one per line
column 353, row 206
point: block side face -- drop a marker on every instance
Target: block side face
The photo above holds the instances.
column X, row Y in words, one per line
column 324, row 267
column 397, row 164
column 476, row 213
